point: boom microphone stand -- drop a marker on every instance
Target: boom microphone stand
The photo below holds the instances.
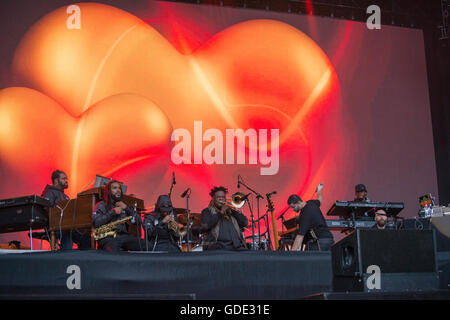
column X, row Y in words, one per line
column 187, row 194
column 258, row 196
column 281, row 216
column 138, row 220
column 253, row 225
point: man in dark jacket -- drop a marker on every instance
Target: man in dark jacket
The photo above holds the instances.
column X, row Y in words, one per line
column 55, row 193
column 222, row 224
column 160, row 235
column 111, row 209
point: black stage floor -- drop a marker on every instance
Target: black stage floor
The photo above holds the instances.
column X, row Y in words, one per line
column 253, row 275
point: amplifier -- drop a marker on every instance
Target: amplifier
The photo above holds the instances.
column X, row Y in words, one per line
column 404, row 259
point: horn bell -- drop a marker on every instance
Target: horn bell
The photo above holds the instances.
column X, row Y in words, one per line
column 236, row 200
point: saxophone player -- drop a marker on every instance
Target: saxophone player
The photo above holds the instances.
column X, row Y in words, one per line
column 111, row 209
column 160, row 227
column 222, row 224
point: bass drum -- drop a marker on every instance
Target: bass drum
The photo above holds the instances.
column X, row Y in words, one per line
column 193, row 246
column 197, row 248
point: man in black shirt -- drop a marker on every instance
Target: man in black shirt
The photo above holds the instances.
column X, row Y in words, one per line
column 313, row 229
column 222, row 224
column 361, row 193
column 381, row 221
column 111, row 209
column 55, row 193
column 160, row 235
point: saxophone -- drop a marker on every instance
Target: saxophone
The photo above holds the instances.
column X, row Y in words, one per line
column 108, row 229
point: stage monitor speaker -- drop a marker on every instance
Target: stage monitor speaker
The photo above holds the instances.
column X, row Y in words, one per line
column 442, row 240
column 403, row 260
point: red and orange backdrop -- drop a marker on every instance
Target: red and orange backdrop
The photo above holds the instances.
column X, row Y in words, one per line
column 351, row 104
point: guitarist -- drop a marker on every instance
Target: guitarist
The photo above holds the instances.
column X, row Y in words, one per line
column 312, row 230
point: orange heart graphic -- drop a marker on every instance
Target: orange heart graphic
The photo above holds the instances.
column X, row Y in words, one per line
column 37, row 135
column 102, row 82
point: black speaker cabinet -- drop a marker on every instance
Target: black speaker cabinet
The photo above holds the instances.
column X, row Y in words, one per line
column 403, row 260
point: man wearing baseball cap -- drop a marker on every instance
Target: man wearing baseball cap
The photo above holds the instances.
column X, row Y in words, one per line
column 361, row 193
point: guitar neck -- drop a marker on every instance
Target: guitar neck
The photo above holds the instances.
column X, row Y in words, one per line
column 274, row 227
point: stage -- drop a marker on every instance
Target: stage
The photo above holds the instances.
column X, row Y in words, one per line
column 224, row 124
column 253, row 275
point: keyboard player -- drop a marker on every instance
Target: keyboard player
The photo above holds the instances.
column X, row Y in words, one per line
column 381, row 221
column 55, row 193
column 361, row 193
column 361, row 196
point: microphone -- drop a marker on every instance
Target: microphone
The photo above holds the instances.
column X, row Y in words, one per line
column 239, row 181
column 185, row 193
column 173, row 178
column 282, row 214
column 269, row 194
column 245, row 197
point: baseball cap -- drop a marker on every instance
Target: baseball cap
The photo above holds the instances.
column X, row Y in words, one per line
column 360, row 187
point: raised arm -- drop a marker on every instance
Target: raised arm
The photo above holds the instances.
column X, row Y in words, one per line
column 319, row 192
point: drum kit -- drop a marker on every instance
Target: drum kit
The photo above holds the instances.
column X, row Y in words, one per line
column 259, row 243
column 195, row 239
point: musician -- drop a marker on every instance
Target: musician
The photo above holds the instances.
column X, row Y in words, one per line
column 361, row 196
column 313, row 230
column 222, row 224
column 55, row 193
column 361, row 193
column 160, row 235
column 113, row 208
column 381, row 221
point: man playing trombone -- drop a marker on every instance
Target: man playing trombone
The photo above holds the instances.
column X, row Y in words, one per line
column 222, row 224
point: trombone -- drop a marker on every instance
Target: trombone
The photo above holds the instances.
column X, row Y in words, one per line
column 238, row 199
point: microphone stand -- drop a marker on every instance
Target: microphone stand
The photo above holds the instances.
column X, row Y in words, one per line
column 253, row 225
column 173, row 183
column 145, row 227
column 266, row 219
column 188, row 227
column 139, row 224
column 281, row 216
column 258, row 196
column 145, row 235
